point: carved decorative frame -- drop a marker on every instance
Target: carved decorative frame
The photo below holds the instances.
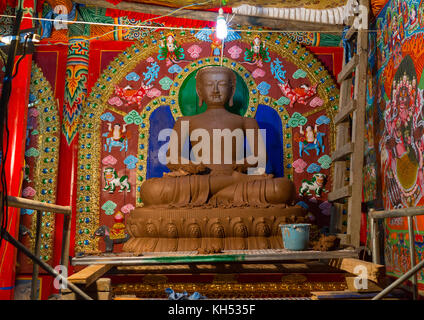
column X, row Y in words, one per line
column 46, row 166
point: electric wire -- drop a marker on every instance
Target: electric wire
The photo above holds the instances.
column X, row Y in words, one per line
column 180, row 28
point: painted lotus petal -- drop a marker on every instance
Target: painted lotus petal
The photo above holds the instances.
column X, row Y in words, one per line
column 302, row 204
column 32, row 152
column 35, row 132
column 107, row 117
column 131, row 162
column 257, row 73
column 28, row 192
column 109, row 160
column 154, row 93
column 313, row 168
column 132, row 76
column 33, row 112
column 299, row 165
column 115, row 101
column 175, row 69
column 150, row 59
column 325, row 161
column 316, row 102
column 166, row 83
column 283, row 101
column 299, row 74
column 127, row 208
column 264, row 87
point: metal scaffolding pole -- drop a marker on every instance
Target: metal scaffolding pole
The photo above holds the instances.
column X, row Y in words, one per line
column 45, row 266
column 399, row 281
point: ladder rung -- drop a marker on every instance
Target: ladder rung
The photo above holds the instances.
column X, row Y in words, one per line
column 344, row 113
column 349, row 20
column 350, row 32
column 341, row 153
column 340, row 194
column 348, row 68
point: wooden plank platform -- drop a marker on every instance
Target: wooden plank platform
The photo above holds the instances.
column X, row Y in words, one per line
column 375, row 272
column 228, row 256
column 89, row 275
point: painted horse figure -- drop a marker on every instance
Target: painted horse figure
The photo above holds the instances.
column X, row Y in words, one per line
column 117, row 136
column 318, row 145
column 123, row 144
column 104, row 232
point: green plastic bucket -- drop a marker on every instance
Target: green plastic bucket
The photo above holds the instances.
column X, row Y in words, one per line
column 295, row 236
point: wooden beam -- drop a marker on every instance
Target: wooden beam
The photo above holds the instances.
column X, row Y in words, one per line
column 371, row 286
column 89, row 274
column 358, row 129
column 23, row 203
column 375, row 272
column 277, row 24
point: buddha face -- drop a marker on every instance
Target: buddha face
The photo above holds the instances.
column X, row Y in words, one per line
column 215, row 86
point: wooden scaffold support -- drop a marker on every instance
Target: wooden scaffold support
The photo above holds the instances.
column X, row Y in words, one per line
column 350, row 124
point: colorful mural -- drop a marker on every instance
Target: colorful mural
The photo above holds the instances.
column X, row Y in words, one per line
column 148, row 86
column 395, row 124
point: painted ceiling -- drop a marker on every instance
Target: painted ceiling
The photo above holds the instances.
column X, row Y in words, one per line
column 307, row 4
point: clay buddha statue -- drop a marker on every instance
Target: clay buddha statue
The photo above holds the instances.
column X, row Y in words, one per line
column 217, row 189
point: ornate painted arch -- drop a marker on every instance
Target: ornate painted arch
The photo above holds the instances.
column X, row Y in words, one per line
column 105, row 105
column 41, row 161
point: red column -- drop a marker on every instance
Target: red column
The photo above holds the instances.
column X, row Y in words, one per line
column 17, row 119
column 74, row 99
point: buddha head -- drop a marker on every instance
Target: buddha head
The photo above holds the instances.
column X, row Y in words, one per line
column 215, row 86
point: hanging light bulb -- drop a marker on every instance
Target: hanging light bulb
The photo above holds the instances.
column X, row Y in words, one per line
column 221, row 25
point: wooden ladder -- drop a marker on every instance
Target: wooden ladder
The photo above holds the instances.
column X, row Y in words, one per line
column 350, row 126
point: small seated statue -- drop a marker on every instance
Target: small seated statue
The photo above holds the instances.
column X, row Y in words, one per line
column 217, row 191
